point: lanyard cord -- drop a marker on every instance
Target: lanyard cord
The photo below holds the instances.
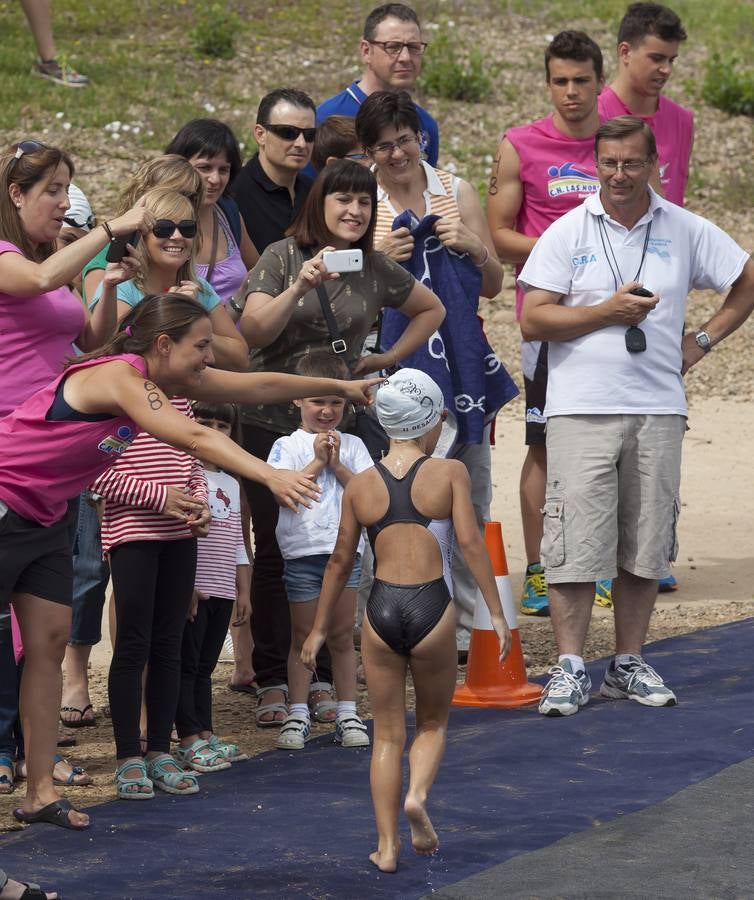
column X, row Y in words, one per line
column 605, row 237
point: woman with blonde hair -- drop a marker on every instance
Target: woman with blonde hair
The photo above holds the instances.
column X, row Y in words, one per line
column 171, row 172
column 165, row 261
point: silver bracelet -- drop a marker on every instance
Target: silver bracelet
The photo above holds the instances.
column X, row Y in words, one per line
column 235, row 307
column 483, row 263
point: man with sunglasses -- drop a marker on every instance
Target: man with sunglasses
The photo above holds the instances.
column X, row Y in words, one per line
column 270, row 189
column 391, row 51
column 607, row 286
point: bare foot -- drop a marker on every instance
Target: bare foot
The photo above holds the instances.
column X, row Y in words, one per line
column 385, row 860
column 423, row 835
column 14, row 890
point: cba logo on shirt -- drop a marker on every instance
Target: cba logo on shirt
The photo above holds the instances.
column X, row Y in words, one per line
column 570, row 179
column 118, row 442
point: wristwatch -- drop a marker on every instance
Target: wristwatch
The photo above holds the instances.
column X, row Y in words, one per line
column 703, row 341
column 236, row 307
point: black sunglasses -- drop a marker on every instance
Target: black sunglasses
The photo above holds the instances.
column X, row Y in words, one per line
column 90, row 222
column 23, row 148
column 164, row 228
column 291, row 132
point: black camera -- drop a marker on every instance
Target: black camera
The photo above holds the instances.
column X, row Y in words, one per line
column 636, row 340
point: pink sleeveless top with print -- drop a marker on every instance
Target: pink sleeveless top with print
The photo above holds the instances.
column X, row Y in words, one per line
column 43, row 463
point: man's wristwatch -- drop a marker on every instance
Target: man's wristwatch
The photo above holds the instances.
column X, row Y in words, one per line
column 703, row 341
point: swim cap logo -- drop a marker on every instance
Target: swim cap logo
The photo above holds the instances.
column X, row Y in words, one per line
column 570, row 179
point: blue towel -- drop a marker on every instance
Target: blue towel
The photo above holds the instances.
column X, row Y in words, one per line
column 473, row 380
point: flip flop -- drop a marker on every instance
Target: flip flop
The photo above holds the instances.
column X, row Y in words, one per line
column 70, row 781
column 247, row 687
column 56, row 813
column 79, row 723
column 66, row 740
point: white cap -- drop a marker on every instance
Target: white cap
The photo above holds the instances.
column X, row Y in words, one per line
column 408, row 404
column 79, row 210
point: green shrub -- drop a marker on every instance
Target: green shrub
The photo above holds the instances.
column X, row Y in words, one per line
column 728, row 86
column 446, row 73
column 215, row 31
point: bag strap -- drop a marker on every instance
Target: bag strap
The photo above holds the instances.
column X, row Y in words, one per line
column 213, row 253
column 337, row 342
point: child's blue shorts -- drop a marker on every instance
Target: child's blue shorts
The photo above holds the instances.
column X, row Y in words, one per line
column 303, row 576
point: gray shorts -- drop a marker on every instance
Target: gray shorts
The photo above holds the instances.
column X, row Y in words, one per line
column 612, row 498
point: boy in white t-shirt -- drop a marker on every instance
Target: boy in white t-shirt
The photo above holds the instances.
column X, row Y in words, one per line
column 306, row 540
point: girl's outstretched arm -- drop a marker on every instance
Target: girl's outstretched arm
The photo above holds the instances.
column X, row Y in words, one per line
column 336, row 575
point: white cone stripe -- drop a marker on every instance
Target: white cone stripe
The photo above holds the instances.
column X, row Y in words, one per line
column 506, row 598
column 482, row 620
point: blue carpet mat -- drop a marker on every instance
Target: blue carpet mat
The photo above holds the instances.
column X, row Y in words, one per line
column 296, row 825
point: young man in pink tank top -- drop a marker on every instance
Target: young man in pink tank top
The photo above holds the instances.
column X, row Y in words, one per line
column 649, row 36
column 543, row 170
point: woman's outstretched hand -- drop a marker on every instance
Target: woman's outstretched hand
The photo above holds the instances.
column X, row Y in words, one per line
column 360, row 391
column 291, row 488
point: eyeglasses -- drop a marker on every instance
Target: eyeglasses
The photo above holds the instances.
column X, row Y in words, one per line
column 629, row 166
column 356, row 157
column 90, row 222
column 26, row 147
column 291, row 132
column 164, row 228
column 387, row 148
column 395, row 48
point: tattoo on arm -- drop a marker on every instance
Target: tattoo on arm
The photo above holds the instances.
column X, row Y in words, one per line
column 494, row 176
column 153, row 395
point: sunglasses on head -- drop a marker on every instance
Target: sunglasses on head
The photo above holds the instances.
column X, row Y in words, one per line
column 24, row 147
column 291, row 132
column 164, row 228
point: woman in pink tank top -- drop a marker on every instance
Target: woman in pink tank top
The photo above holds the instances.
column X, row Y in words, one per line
column 62, row 437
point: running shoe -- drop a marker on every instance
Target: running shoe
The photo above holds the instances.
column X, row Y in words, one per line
column 636, row 681
column 534, row 599
column 666, row 585
column 294, row 733
column 603, row 593
column 59, row 72
column 350, row 731
column 566, row 691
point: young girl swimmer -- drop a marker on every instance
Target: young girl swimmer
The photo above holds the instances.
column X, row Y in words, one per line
column 60, row 439
column 306, row 542
column 411, row 505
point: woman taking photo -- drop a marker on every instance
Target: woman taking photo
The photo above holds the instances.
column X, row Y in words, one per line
column 226, row 253
column 63, row 437
column 165, row 259
column 411, row 505
column 433, row 224
column 282, row 321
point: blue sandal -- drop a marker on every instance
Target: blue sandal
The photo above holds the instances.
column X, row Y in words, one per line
column 167, row 780
column 124, row 784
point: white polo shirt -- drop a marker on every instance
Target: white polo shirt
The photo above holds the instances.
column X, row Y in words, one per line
column 595, row 374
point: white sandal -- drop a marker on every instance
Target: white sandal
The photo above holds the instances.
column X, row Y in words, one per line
column 322, row 710
column 267, row 708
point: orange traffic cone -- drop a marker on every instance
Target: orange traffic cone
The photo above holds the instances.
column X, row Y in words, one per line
column 487, row 682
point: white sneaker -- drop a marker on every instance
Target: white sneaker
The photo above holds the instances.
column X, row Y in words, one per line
column 294, row 733
column 636, row 681
column 566, row 691
column 350, row 731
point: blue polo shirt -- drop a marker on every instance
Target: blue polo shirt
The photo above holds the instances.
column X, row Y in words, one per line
column 347, row 103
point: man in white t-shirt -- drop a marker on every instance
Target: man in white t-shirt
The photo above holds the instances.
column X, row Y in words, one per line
column 616, row 409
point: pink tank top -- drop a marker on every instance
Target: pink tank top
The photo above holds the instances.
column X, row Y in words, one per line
column 45, row 463
column 557, row 173
column 673, row 127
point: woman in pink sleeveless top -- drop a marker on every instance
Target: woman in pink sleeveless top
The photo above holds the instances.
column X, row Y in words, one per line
column 64, row 436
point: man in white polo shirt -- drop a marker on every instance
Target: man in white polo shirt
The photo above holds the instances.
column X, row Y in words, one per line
column 616, row 409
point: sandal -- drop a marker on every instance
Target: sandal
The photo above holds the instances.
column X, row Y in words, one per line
column 323, row 710
column 81, row 722
column 56, row 813
column 166, row 779
column 201, row 757
column 126, row 784
column 264, row 709
column 231, row 752
column 7, row 782
column 294, row 733
column 33, row 891
column 244, row 687
column 77, row 778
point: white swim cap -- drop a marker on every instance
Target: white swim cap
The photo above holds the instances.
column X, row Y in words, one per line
column 80, row 212
column 408, row 404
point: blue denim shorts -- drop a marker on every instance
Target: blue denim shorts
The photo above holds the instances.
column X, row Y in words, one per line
column 303, row 576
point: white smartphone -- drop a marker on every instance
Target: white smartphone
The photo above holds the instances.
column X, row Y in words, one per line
column 343, row 260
